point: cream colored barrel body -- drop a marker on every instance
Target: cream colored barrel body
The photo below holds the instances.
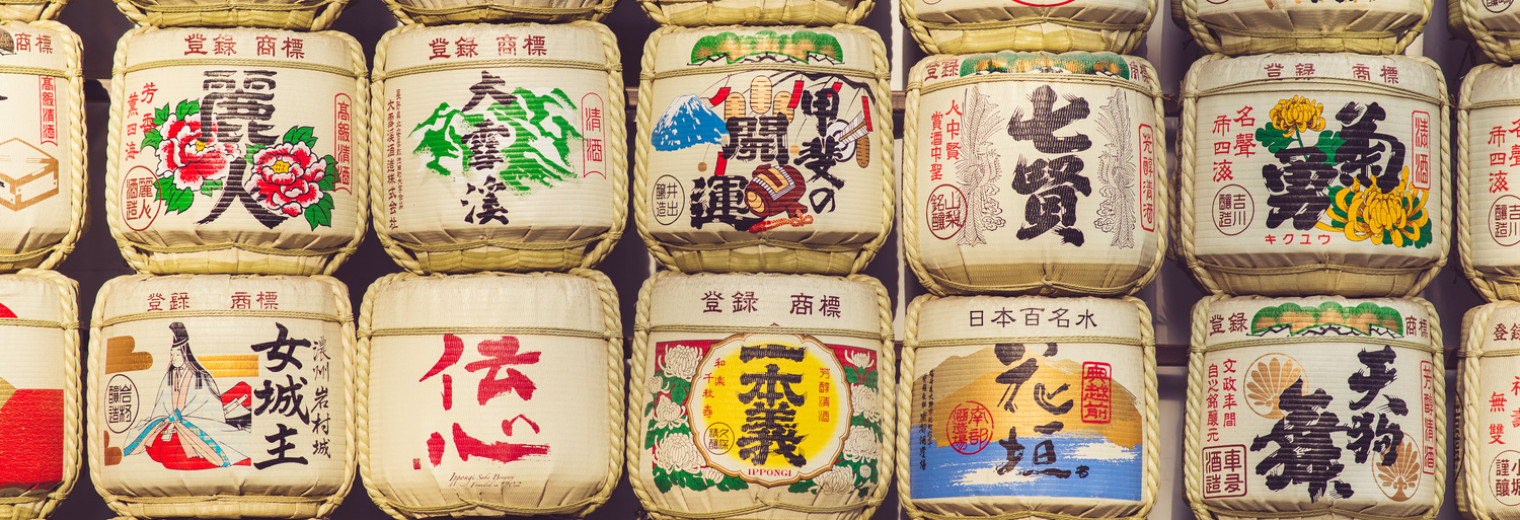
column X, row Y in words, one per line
column 764, row 149
column 42, row 149
column 444, row 434
column 1492, row 24
column 39, row 393
column 756, row 12
column 1254, row 27
column 238, row 150
column 498, row 147
column 1485, row 419
column 1044, row 405
column 967, row 26
column 299, row 15
column 1034, row 173
column 1488, row 210
column 1314, row 174
column 241, row 393
column 761, row 396
column 1299, row 405
column 431, row 12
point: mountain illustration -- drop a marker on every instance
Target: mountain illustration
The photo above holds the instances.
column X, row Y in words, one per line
column 688, row 122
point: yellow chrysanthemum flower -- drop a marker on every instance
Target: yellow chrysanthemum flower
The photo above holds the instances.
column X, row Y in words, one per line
column 1298, row 114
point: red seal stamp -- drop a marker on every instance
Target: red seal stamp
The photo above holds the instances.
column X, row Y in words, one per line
column 970, row 428
column 140, row 204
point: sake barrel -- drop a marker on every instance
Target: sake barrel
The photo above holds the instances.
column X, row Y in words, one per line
column 1488, row 211
column 300, row 15
column 757, row 12
column 32, row 10
column 761, row 396
column 1324, row 406
column 1314, row 174
column 504, row 147
column 39, row 393
column 955, row 27
column 511, row 404
column 1485, row 420
column 1492, row 24
column 430, row 12
column 1030, row 405
column 1009, row 187
column 216, row 396
column 764, row 149
column 237, row 150
column 1250, row 27
column 42, row 150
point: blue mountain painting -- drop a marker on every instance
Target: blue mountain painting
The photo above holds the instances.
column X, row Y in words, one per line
column 688, row 122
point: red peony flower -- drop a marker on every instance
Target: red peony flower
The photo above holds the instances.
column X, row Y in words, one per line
column 190, row 156
column 285, row 177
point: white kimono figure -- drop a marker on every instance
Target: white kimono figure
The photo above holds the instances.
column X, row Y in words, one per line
column 193, row 425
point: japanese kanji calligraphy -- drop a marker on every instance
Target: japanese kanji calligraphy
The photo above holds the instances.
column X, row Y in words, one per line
column 41, row 194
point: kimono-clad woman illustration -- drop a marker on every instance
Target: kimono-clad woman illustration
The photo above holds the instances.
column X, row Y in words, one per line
column 193, row 425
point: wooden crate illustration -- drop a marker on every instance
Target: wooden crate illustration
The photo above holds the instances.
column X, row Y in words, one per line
column 28, row 175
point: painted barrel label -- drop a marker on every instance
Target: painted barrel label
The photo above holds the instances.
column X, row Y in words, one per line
column 37, row 191
column 31, row 389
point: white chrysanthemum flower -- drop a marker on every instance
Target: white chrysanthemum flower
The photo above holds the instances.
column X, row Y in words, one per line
column 681, row 361
column 836, row 481
column 861, row 445
column 667, row 413
column 867, row 472
column 677, row 452
column 865, row 402
column 711, row 475
column 860, row 359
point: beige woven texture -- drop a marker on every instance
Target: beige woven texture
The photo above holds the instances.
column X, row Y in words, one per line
column 1320, row 362
column 44, row 207
column 840, row 242
column 300, row 15
column 1251, row 27
column 45, row 304
column 669, row 310
column 1486, row 100
column 993, row 260
column 30, row 10
column 756, row 12
column 967, row 26
column 947, row 336
column 235, row 241
column 433, row 12
column 1486, row 369
column 566, row 319
column 134, row 486
column 1244, row 263
column 417, row 212
column 1493, row 26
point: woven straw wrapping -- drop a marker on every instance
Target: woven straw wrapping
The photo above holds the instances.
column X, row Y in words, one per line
column 955, row 27
column 552, row 196
column 757, row 12
column 299, row 15
column 1256, row 27
column 39, row 393
column 768, row 195
column 42, row 174
column 827, row 343
column 266, row 387
column 1494, row 26
column 198, row 144
column 30, row 10
column 432, row 12
column 1485, row 413
column 1089, row 364
column 558, row 336
column 1266, row 374
column 1488, row 212
column 974, row 221
column 1262, row 213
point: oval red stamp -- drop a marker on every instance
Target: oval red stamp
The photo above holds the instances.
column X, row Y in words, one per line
column 140, row 204
column 969, row 428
